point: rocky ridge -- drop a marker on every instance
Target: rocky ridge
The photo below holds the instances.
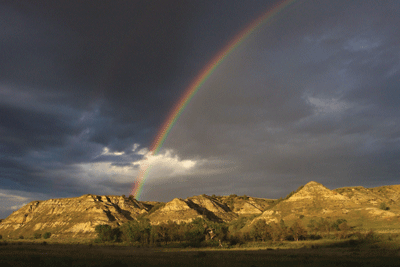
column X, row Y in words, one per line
column 71, row 216
column 77, row 217
column 354, row 204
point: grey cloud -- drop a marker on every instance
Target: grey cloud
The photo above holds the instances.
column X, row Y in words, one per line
column 258, row 113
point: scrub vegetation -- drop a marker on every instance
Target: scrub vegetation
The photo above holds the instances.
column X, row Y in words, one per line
column 204, row 233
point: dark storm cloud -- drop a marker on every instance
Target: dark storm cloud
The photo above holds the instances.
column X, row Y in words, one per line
column 313, row 97
column 84, row 86
column 29, row 129
column 77, row 77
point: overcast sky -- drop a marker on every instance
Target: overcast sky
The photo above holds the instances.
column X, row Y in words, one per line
column 313, row 94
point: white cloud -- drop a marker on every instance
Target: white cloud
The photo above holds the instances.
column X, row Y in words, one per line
column 16, row 207
column 329, row 105
column 12, row 197
column 11, row 200
column 135, row 146
column 106, row 151
column 167, row 164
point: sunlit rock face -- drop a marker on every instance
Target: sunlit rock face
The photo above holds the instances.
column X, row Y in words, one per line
column 355, row 204
column 71, row 216
column 78, row 217
column 372, row 196
column 218, row 209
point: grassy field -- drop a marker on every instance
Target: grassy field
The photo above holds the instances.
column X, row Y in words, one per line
column 381, row 251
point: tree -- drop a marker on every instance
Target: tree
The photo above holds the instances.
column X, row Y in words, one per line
column 219, row 230
column 324, row 226
column 275, row 231
column 260, row 231
column 297, row 230
column 284, row 230
column 46, row 235
column 139, row 230
column 344, row 230
column 195, row 231
column 161, row 233
column 106, row 233
column 37, row 235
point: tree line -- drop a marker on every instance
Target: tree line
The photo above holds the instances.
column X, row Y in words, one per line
column 202, row 232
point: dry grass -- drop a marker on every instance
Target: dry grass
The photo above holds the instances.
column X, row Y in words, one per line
column 381, row 251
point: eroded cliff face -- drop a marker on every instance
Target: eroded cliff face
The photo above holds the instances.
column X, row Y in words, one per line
column 372, row 196
column 176, row 210
column 316, row 201
column 218, row 209
column 71, row 216
column 77, row 217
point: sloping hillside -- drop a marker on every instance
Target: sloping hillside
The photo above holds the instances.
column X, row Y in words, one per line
column 365, row 208
column 218, row 209
column 390, row 195
column 315, row 201
column 71, row 216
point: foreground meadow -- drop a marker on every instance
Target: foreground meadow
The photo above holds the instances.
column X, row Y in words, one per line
column 380, row 252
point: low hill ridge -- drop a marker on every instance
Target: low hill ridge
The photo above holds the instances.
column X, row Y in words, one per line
column 72, row 216
column 316, row 192
column 314, row 200
column 76, row 217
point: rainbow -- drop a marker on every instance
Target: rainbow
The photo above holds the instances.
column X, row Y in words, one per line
column 196, row 85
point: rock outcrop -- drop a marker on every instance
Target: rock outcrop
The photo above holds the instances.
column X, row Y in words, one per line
column 176, row 210
column 77, row 217
column 316, row 201
column 71, row 216
column 218, row 209
column 372, row 196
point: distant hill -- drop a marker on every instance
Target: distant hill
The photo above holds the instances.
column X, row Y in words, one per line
column 360, row 206
column 77, row 217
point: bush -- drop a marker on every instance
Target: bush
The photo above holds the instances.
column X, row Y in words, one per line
column 1, row 237
column 383, row 206
column 21, row 237
column 37, row 235
column 236, row 239
column 370, row 235
column 46, row 235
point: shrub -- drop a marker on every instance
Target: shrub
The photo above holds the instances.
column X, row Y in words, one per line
column 46, row 235
column 37, row 235
column 21, row 237
column 236, row 239
column 1, row 237
column 335, row 225
column 383, row 206
column 370, row 235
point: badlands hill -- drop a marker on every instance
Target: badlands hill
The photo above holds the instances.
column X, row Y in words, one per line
column 77, row 217
column 361, row 207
